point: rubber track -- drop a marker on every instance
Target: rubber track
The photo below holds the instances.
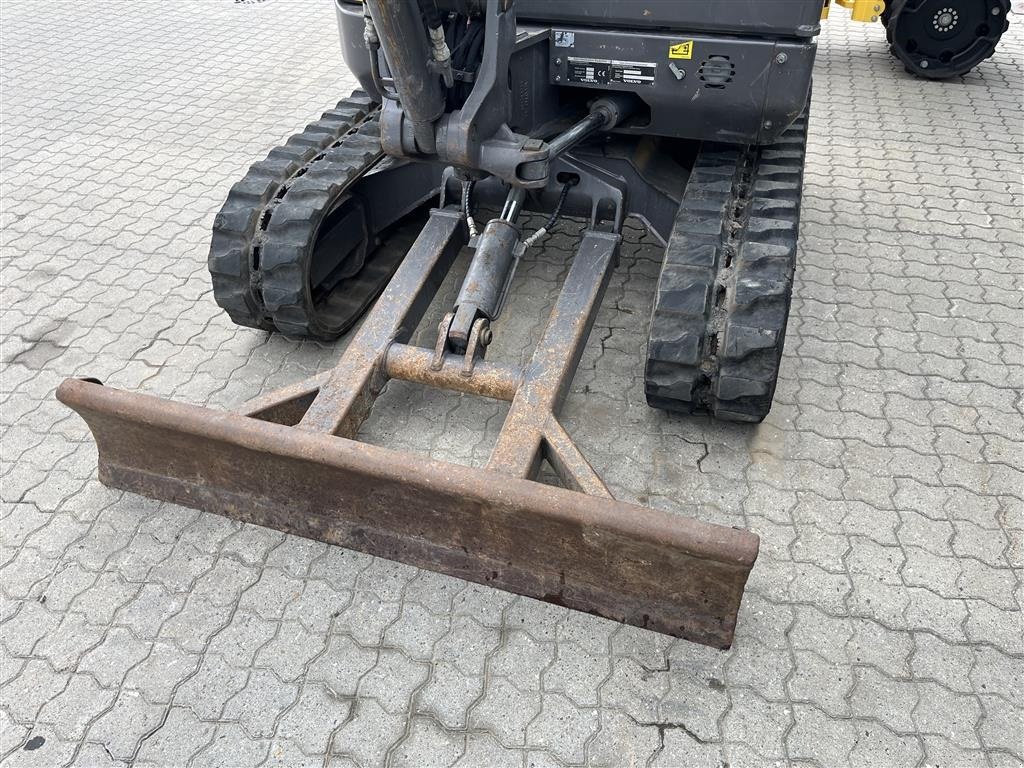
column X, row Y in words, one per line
column 291, row 236
column 719, row 320
column 239, row 227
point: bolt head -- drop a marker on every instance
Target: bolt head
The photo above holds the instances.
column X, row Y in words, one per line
column 768, row 123
column 924, row 64
column 558, row 78
column 781, row 58
column 995, row 11
column 558, row 62
column 874, row 18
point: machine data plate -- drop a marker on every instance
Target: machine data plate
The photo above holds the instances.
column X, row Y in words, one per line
column 604, row 71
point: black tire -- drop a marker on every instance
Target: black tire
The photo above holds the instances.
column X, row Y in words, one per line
column 719, row 321
column 238, row 227
column 940, row 39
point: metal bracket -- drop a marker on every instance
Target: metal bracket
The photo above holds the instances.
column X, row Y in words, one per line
column 479, row 338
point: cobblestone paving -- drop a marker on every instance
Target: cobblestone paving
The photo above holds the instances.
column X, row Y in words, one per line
column 882, row 625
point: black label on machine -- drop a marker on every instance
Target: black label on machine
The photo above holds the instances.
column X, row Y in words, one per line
column 604, row 71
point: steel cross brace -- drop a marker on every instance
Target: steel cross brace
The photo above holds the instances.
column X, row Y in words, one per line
column 290, row 460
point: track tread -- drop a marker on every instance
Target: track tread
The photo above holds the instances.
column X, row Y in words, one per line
column 719, row 319
column 237, row 227
column 291, row 236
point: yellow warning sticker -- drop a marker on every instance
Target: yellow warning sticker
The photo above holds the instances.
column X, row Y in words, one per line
column 681, row 50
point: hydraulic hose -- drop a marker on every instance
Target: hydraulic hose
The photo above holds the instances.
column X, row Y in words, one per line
column 403, row 39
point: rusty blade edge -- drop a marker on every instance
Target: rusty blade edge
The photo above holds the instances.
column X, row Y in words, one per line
column 619, row 560
column 695, row 537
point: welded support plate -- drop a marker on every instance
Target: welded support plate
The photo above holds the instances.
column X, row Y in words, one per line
column 666, row 572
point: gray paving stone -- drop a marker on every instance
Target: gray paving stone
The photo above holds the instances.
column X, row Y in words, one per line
column 941, row 751
column 286, row 754
column 196, row 623
column 621, row 742
column 505, row 711
column 210, row 688
column 943, row 712
column 393, row 680
column 35, row 685
column 161, row 672
column 761, row 668
column 563, row 728
column 72, row 710
column 820, row 737
column 291, row 650
column 877, row 746
column 891, row 701
column 1000, row 725
column 634, row 690
column 448, row 695
column 522, row 657
column 102, row 600
column 468, row 644
column 152, row 606
column 96, row 756
column 826, row 635
column 122, row 728
column 368, row 734
column 260, row 704
column 251, row 543
column 111, row 660
column 366, row 618
column 316, row 607
column 12, row 734
column 873, row 644
column 821, row 682
column 935, row 659
column 994, row 672
column 181, row 736
column 758, row 724
column 231, row 746
column 680, row 748
column 417, row 630
column 43, row 748
column 342, row 665
column 25, row 569
column 225, row 580
column 482, row 749
column 427, row 744
column 697, row 698
column 312, row 719
column 27, row 627
column 577, row 673
column 242, row 638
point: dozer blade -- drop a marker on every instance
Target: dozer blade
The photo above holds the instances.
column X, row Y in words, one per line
column 289, row 461
column 617, row 560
